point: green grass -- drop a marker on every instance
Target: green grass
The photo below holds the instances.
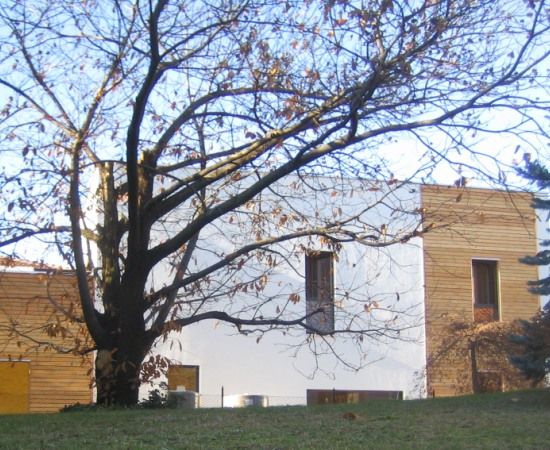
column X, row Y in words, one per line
column 492, row 421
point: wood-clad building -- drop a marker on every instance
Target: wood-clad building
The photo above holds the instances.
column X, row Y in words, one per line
column 40, row 368
column 474, row 284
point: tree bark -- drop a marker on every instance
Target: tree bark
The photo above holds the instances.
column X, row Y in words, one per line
column 473, row 360
column 117, row 378
column 118, row 366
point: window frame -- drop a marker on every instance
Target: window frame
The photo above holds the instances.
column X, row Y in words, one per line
column 322, row 322
column 492, row 287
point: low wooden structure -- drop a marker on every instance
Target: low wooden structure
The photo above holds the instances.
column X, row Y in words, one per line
column 330, row 396
column 41, row 368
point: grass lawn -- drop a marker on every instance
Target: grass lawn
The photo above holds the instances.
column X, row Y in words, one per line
column 491, row 421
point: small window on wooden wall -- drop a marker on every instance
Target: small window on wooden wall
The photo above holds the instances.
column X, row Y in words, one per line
column 186, row 376
column 320, row 291
column 485, row 290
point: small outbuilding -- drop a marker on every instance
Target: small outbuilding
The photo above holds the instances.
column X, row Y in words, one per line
column 42, row 367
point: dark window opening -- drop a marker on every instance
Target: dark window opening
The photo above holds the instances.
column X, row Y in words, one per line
column 330, row 396
column 320, row 292
column 485, row 290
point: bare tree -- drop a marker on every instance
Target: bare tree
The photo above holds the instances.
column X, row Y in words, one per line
column 174, row 118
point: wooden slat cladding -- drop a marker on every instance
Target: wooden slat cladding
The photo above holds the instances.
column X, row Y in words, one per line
column 36, row 304
column 181, row 375
column 472, row 224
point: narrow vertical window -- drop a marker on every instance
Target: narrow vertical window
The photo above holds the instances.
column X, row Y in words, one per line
column 485, row 290
column 320, row 291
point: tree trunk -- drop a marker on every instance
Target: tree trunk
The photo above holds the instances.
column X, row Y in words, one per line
column 118, row 366
column 475, row 374
column 117, row 378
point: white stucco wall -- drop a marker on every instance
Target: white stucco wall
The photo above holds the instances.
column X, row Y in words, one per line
column 543, row 234
column 281, row 364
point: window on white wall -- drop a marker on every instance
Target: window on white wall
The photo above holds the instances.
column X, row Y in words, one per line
column 485, row 290
column 320, row 291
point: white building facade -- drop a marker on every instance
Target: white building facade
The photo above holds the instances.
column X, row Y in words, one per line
column 375, row 288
